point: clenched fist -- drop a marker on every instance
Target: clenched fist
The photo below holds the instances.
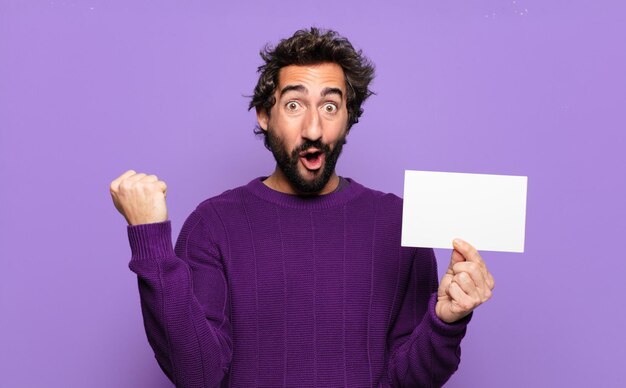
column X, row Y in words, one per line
column 140, row 198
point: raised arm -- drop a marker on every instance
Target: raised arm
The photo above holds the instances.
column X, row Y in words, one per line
column 183, row 291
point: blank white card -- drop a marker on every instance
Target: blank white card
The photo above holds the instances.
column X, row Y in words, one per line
column 487, row 211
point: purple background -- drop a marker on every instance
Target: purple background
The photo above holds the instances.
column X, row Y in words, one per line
column 89, row 89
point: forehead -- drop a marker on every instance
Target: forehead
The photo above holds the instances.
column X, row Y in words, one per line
column 312, row 76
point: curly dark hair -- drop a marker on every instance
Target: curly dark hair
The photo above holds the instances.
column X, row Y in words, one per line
column 308, row 47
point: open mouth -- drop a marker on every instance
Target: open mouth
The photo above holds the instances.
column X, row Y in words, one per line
column 312, row 156
column 312, row 159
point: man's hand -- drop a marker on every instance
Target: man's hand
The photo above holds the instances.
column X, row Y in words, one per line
column 466, row 285
column 140, row 198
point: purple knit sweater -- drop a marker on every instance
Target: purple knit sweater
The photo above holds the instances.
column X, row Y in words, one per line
column 269, row 289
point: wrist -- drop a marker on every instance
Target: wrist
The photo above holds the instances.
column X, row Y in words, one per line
column 150, row 240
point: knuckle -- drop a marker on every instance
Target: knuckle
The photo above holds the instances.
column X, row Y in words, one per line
column 464, row 277
column 150, row 188
column 125, row 185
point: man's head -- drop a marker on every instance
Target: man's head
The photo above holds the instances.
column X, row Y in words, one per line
column 308, row 96
column 314, row 46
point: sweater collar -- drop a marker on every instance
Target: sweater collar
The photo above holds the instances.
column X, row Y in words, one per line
column 336, row 198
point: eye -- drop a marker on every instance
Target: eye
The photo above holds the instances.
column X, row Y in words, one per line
column 292, row 105
column 330, row 107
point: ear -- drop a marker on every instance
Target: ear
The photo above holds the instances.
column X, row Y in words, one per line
column 262, row 117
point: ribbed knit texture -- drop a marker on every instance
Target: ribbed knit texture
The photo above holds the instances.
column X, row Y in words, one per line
column 274, row 290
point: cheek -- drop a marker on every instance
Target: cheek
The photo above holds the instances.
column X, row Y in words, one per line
column 288, row 128
column 341, row 121
column 336, row 129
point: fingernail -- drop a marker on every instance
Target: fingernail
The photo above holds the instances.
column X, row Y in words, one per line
column 457, row 242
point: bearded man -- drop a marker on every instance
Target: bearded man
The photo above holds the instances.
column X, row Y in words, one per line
column 298, row 278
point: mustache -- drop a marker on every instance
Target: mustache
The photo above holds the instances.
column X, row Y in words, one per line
column 307, row 144
column 323, row 147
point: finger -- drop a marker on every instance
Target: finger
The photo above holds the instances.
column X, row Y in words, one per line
column 116, row 182
column 490, row 281
column 126, row 174
column 464, row 280
column 127, row 184
column 476, row 272
column 163, row 187
column 149, row 179
column 471, row 252
column 136, row 177
column 464, row 302
column 446, row 280
column 467, row 250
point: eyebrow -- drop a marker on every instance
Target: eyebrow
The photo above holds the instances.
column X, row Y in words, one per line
column 328, row 91
column 302, row 89
column 294, row 88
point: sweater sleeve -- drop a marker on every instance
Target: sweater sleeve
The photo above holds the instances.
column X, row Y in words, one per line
column 184, row 301
column 424, row 350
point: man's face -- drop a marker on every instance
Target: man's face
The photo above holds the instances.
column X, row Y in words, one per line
column 307, row 125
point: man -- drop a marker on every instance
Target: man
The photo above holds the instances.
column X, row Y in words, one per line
column 298, row 279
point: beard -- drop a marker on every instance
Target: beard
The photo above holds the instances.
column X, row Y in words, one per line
column 288, row 162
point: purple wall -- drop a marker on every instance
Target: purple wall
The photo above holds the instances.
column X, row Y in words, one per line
column 89, row 89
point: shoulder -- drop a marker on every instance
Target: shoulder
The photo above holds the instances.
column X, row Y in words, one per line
column 380, row 198
column 214, row 214
column 228, row 199
column 386, row 208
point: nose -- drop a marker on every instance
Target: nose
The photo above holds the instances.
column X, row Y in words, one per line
column 312, row 126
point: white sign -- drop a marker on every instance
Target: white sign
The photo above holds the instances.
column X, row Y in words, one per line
column 487, row 211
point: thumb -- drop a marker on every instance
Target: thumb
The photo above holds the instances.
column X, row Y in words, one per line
column 456, row 257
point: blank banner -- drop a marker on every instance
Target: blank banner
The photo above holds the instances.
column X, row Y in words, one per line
column 488, row 211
